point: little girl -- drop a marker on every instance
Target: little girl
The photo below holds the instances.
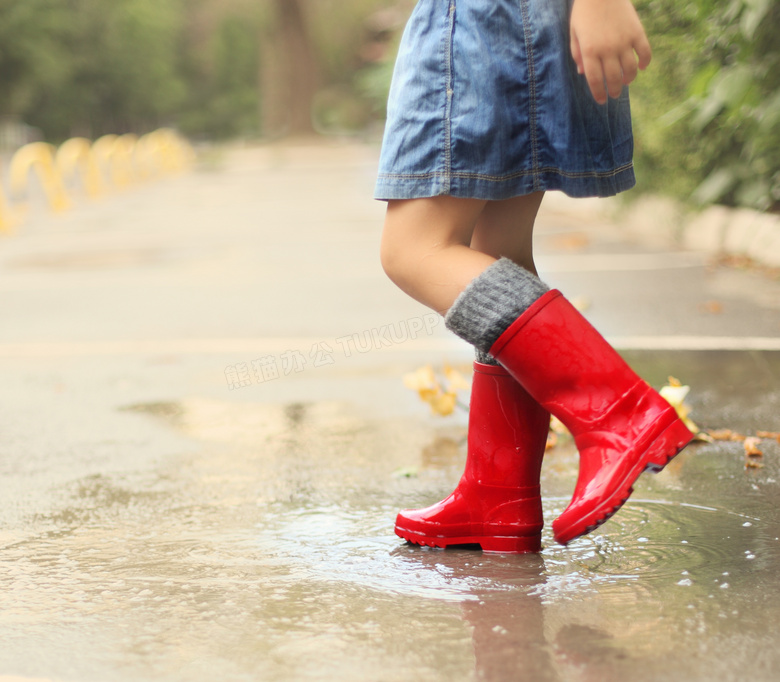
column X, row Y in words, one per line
column 494, row 102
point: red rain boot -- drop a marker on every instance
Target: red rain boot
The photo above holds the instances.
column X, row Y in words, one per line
column 497, row 503
column 621, row 426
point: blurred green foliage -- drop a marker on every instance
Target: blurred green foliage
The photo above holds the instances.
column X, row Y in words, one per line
column 707, row 111
column 221, row 81
column 89, row 67
column 84, row 66
column 357, row 40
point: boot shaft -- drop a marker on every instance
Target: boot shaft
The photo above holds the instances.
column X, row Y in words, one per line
column 507, row 431
column 570, row 368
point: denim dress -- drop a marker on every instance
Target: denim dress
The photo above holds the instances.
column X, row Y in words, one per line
column 486, row 103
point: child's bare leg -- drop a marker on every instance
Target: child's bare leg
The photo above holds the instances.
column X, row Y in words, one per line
column 425, row 248
column 432, row 248
column 505, row 229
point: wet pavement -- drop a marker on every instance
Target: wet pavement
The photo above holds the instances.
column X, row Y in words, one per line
column 205, row 440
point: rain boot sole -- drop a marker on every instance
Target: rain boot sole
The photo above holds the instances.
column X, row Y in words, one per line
column 493, row 544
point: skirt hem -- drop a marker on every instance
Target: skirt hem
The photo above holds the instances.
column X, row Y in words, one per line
column 495, row 188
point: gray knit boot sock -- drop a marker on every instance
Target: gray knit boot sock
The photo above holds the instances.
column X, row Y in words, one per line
column 492, row 301
column 484, row 358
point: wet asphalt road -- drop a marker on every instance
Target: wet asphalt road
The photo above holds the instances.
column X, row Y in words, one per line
column 205, row 439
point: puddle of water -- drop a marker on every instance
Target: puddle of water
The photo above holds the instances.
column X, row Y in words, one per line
column 268, row 553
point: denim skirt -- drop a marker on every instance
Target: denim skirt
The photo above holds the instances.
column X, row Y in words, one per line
column 486, row 103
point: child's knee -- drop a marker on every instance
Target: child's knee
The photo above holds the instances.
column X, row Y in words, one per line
column 396, row 246
column 392, row 255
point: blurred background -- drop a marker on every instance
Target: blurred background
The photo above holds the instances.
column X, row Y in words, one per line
column 707, row 113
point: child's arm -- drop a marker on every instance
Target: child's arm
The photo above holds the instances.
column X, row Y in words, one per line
column 608, row 43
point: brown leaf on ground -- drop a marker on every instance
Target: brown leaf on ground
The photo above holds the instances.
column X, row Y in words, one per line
column 725, row 434
column 552, row 441
column 753, row 464
column 769, row 434
column 751, row 447
column 571, row 241
column 712, row 307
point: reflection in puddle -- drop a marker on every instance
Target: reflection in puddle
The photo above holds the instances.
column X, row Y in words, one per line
column 268, row 553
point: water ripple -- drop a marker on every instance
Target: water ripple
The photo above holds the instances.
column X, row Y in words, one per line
column 651, row 543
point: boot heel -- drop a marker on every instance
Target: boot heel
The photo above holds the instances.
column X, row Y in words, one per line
column 511, row 545
column 673, row 439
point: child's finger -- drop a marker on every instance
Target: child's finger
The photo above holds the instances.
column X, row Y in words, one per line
column 613, row 75
column 643, row 51
column 594, row 74
column 629, row 66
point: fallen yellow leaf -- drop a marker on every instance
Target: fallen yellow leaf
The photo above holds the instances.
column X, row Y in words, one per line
column 456, row 381
column 428, row 394
column 751, row 447
column 443, row 403
column 675, row 393
column 442, row 398
column 421, row 378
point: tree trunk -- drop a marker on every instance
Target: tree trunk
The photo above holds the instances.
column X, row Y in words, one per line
column 289, row 73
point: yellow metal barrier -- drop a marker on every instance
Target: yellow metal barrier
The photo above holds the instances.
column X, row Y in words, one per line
column 38, row 156
column 145, row 156
column 123, row 171
column 112, row 160
column 176, row 155
column 103, row 152
column 75, row 156
column 116, row 159
column 6, row 221
column 166, row 150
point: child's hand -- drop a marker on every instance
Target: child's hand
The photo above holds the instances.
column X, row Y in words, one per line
column 608, row 43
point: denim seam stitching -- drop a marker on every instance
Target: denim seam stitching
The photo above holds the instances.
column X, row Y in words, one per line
column 448, row 94
column 512, row 176
column 532, row 109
